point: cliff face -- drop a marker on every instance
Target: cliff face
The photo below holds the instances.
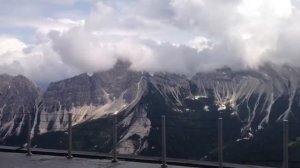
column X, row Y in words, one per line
column 250, row 100
column 88, row 97
column 18, row 96
column 249, row 97
column 253, row 96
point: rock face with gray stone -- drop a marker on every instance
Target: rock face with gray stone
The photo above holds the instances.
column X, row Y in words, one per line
column 250, row 100
column 18, row 97
column 88, row 97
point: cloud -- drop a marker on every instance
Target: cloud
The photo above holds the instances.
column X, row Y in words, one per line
column 89, row 52
column 259, row 27
column 41, row 25
column 182, row 36
column 286, row 49
column 109, row 34
column 38, row 62
column 83, row 50
column 200, row 43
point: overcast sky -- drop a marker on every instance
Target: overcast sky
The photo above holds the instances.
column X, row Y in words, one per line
column 48, row 40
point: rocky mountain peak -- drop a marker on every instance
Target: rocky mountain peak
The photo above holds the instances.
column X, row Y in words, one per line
column 18, row 96
column 122, row 65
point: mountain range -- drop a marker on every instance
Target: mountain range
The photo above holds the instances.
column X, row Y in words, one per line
column 253, row 103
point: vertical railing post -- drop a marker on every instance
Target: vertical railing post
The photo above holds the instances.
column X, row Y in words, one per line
column 285, row 144
column 163, row 143
column 70, row 136
column 220, row 142
column 29, row 134
column 115, row 138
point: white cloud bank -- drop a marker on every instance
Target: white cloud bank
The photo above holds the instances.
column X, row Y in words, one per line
column 182, row 36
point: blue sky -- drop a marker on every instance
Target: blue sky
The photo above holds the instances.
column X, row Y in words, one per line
column 49, row 40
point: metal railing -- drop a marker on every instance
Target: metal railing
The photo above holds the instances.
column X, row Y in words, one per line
column 163, row 129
